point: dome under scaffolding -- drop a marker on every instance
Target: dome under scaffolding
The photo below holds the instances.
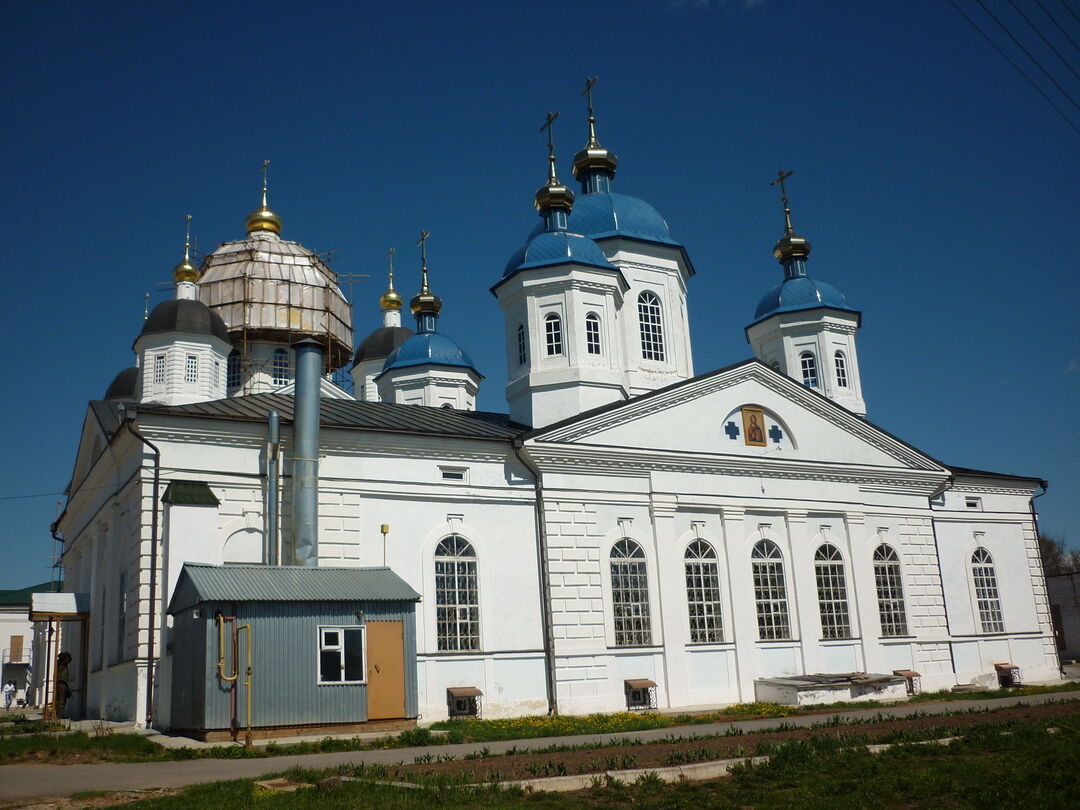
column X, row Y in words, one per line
column 267, row 289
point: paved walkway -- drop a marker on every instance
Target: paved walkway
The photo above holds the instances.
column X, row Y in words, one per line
column 23, row 782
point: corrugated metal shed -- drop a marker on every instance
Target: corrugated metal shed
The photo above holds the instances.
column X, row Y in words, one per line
column 341, row 413
column 262, row 583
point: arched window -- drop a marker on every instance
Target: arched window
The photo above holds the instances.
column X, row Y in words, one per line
column 522, row 345
column 832, row 592
column 592, row 333
column 809, row 369
column 553, row 334
column 630, row 594
column 703, row 593
column 986, row 591
column 841, row 369
column 457, row 606
column 770, row 591
column 279, row 367
column 650, row 319
column 890, row 591
column 232, row 370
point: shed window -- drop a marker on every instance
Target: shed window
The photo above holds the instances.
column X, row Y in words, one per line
column 341, row 655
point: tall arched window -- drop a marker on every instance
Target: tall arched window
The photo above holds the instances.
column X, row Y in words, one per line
column 809, row 369
column 457, row 604
column 986, row 591
column 279, row 367
column 592, row 333
column 770, row 591
column 832, row 592
column 841, row 369
column 890, row 591
column 651, row 321
column 703, row 593
column 232, row 370
column 630, row 594
column 522, row 345
column 553, row 334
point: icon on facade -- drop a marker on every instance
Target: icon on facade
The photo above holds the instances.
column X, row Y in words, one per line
column 754, row 426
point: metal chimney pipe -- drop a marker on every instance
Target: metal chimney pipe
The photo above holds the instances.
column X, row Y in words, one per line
column 273, row 478
column 309, row 367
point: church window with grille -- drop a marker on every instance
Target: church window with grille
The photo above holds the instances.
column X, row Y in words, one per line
column 279, row 367
column 651, row 321
column 159, row 368
column 832, row 592
column 770, row 591
column 553, row 334
column 986, row 592
column 888, row 578
column 630, row 594
column 703, row 593
column 232, row 370
column 191, row 368
column 457, row 603
column 809, row 369
column 522, row 345
column 841, row 369
column 592, row 333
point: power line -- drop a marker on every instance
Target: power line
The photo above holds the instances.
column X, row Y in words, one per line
column 1020, row 45
column 21, row 497
column 1016, row 67
column 1042, row 36
column 1064, row 33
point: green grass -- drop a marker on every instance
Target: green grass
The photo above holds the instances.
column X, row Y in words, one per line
column 993, row 765
column 116, row 747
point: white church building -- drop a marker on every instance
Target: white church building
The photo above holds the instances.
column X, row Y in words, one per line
column 631, row 533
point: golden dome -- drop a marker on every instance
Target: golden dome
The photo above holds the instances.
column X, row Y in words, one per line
column 391, row 299
column 185, row 271
column 594, row 156
column 263, row 219
column 554, row 194
column 791, row 245
column 425, row 301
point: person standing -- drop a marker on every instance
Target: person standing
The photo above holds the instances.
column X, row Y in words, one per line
column 9, row 694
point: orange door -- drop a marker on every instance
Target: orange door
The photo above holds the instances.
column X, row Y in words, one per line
column 386, row 670
column 16, row 650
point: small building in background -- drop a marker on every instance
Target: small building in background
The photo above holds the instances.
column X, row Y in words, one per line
column 1064, row 593
column 16, row 637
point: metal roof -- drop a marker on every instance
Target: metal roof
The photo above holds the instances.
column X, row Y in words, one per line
column 59, row 604
column 21, row 596
column 189, row 493
column 342, row 413
column 287, row 583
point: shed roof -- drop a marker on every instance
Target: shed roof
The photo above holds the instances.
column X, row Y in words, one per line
column 21, row 596
column 287, row 583
column 189, row 493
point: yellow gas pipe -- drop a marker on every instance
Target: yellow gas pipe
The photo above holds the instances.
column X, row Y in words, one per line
column 248, row 670
column 221, row 652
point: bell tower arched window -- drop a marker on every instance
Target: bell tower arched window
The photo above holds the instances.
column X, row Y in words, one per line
column 553, row 335
column 841, row 369
column 651, row 322
column 522, row 345
column 809, row 369
column 592, row 333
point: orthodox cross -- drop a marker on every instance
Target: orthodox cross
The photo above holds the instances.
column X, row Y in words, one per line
column 187, row 237
column 390, row 261
column 781, row 176
column 589, row 82
column 551, row 116
column 422, row 242
column 265, row 168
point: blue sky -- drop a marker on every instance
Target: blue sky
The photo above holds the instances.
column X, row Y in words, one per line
column 937, row 188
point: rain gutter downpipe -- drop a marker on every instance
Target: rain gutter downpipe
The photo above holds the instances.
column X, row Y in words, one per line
column 273, row 477
column 309, row 366
column 545, row 584
column 129, row 423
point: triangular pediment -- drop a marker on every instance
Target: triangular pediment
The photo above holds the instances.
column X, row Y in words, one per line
column 747, row 410
column 98, row 427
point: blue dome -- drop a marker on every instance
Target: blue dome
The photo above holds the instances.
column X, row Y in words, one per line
column 428, row 348
column 557, row 247
column 801, row 292
column 603, row 215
